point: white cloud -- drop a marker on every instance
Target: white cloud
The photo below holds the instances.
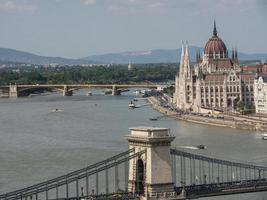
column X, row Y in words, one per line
column 11, row 5
column 134, row 7
column 88, row 2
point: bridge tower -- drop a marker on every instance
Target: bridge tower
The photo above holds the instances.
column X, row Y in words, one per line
column 66, row 91
column 150, row 175
column 13, row 91
column 115, row 91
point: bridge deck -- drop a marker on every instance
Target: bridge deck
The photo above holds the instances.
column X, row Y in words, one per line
column 227, row 188
column 86, row 85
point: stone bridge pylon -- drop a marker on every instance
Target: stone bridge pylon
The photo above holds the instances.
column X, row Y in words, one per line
column 150, row 174
column 13, row 91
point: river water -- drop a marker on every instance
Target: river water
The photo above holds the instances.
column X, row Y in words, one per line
column 37, row 143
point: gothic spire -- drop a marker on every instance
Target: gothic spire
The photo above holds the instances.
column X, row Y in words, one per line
column 236, row 54
column 233, row 53
column 182, row 60
column 186, row 49
column 214, row 29
column 182, row 48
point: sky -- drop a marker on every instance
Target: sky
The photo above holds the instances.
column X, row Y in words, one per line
column 79, row 28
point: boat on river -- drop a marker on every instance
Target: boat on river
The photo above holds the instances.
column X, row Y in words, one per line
column 264, row 136
column 201, row 146
column 89, row 94
column 132, row 105
column 57, row 110
column 153, row 118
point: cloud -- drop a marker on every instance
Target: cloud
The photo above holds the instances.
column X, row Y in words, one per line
column 11, row 5
column 88, row 2
column 134, row 7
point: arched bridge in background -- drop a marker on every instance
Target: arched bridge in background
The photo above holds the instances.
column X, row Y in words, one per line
column 150, row 169
column 67, row 89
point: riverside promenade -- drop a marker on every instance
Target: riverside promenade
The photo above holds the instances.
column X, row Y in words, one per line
column 225, row 120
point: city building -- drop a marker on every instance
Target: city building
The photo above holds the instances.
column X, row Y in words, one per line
column 130, row 66
column 215, row 82
column 260, row 94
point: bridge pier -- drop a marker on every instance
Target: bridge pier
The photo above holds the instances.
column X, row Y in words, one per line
column 13, row 91
column 150, row 175
column 115, row 91
column 66, row 91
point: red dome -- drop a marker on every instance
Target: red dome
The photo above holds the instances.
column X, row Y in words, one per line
column 215, row 46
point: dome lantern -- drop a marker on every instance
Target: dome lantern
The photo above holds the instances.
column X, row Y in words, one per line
column 215, row 47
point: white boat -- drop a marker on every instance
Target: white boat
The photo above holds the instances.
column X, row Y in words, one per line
column 131, row 105
column 89, row 94
column 137, row 92
column 201, row 146
column 264, row 136
column 57, row 110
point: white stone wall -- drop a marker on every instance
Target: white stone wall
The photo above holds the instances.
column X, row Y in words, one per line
column 157, row 159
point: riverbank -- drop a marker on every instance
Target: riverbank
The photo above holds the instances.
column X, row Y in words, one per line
column 227, row 120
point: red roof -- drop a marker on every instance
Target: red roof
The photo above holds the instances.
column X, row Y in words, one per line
column 215, row 46
column 247, row 77
column 222, row 63
column 214, row 77
column 250, row 68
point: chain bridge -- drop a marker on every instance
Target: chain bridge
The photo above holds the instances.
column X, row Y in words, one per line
column 150, row 169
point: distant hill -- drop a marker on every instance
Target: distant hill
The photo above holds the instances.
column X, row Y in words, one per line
column 160, row 56
column 150, row 56
column 11, row 55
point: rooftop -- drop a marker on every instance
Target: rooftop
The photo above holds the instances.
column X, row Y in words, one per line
column 147, row 128
column 146, row 132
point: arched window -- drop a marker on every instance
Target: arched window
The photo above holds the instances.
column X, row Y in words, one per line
column 139, row 184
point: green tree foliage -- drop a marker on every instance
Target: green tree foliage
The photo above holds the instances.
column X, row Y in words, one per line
column 96, row 74
column 169, row 90
column 246, row 108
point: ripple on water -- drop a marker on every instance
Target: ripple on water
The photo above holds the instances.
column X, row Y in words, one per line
column 37, row 143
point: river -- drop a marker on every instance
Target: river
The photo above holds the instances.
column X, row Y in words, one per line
column 37, row 143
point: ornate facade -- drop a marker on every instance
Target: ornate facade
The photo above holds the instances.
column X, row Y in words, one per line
column 215, row 82
column 260, row 93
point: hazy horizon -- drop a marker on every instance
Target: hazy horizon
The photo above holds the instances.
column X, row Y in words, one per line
column 79, row 28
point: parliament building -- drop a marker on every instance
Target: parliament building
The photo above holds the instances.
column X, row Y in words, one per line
column 215, row 82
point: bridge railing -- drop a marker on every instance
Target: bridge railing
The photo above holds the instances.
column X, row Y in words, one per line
column 192, row 169
column 103, row 178
column 215, row 189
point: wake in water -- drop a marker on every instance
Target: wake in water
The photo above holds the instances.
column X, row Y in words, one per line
column 193, row 147
column 189, row 147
